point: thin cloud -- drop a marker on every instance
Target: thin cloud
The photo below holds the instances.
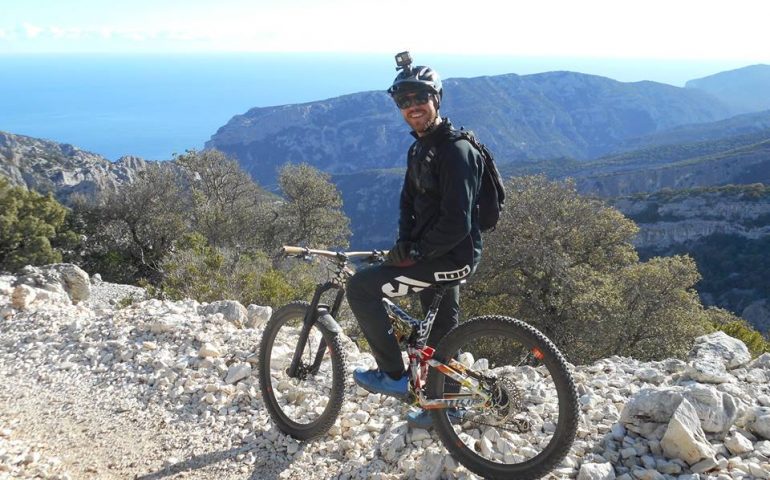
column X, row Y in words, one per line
column 60, row 33
column 32, row 31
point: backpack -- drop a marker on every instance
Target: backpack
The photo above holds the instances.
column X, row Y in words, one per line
column 492, row 192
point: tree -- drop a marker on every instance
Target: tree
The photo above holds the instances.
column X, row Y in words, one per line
column 131, row 230
column 660, row 310
column 312, row 211
column 228, row 208
column 31, row 227
column 565, row 264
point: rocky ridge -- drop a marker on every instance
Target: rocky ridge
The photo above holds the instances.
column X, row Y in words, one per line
column 670, row 218
column 62, row 169
column 521, row 118
column 92, row 387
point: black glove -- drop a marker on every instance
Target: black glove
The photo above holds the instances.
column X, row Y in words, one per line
column 400, row 255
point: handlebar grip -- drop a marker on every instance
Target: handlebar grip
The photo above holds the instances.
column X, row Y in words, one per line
column 287, row 250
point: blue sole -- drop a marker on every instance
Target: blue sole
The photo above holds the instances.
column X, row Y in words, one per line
column 369, row 389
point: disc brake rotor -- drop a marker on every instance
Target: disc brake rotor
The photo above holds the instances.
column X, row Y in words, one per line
column 505, row 403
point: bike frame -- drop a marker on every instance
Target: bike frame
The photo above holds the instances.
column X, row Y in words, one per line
column 419, row 353
column 421, row 357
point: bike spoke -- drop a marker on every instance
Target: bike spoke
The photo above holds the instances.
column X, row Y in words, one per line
column 302, row 399
column 519, row 431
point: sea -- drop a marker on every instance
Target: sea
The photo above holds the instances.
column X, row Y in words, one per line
column 157, row 105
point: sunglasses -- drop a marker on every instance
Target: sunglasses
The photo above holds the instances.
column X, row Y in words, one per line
column 405, row 101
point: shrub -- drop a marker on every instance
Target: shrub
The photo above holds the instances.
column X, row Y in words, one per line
column 205, row 273
column 564, row 263
column 32, row 228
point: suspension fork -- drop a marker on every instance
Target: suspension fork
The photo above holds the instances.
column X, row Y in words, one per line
column 322, row 345
column 311, row 317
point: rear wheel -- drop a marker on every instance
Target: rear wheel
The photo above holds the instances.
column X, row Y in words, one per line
column 305, row 405
column 529, row 422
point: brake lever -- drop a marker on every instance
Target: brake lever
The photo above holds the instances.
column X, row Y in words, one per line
column 377, row 256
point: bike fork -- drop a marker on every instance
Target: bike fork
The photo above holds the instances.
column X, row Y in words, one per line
column 314, row 311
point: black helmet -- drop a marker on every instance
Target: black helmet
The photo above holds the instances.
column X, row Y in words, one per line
column 415, row 78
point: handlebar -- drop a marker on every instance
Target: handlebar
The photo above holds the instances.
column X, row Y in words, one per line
column 287, row 250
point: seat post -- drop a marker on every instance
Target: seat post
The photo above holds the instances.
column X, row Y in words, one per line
column 441, row 288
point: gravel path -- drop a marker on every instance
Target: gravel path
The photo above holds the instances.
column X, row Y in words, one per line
column 158, row 389
column 57, row 422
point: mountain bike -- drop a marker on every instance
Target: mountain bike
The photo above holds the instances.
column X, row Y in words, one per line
column 501, row 395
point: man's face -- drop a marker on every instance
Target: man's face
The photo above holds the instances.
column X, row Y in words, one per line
column 418, row 109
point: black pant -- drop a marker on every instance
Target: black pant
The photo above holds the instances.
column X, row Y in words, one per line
column 367, row 287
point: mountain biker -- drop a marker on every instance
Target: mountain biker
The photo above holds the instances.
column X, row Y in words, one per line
column 438, row 232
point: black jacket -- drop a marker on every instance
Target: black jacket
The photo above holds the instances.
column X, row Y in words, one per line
column 438, row 207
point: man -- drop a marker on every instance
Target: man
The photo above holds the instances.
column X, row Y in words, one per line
column 438, row 232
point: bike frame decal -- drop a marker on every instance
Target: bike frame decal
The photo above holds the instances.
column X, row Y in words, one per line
column 457, row 371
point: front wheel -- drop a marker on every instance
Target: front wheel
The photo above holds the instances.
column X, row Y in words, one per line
column 306, row 404
column 529, row 420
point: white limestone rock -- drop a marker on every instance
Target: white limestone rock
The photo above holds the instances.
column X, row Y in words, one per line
column 705, row 465
column 717, row 410
column 237, row 372
column 596, row 471
column 6, row 312
column 708, row 369
column 719, row 345
column 684, row 437
column 651, row 375
column 763, row 447
column 58, row 277
column 75, row 281
column 257, row 316
column 209, row 350
column 762, row 361
column 393, row 442
column 231, row 310
column 167, row 324
column 737, row 444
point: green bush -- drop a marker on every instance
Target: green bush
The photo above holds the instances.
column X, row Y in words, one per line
column 205, row 273
column 32, row 228
column 564, row 263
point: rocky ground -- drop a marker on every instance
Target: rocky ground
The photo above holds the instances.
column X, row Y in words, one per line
column 118, row 386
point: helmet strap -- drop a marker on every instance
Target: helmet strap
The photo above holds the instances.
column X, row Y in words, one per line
column 436, row 103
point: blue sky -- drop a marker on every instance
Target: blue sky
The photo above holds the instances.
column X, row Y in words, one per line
column 652, row 29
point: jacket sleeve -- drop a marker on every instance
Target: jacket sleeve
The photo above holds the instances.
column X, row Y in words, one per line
column 406, row 208
column 459, row 181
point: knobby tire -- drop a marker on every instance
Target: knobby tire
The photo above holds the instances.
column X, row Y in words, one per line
column 494, row 328
column 294, row 312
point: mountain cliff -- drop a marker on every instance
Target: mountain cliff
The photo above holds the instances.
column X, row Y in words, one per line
column 725, row 229
column 522, row 118
column 62, row 169
column 722, row 164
